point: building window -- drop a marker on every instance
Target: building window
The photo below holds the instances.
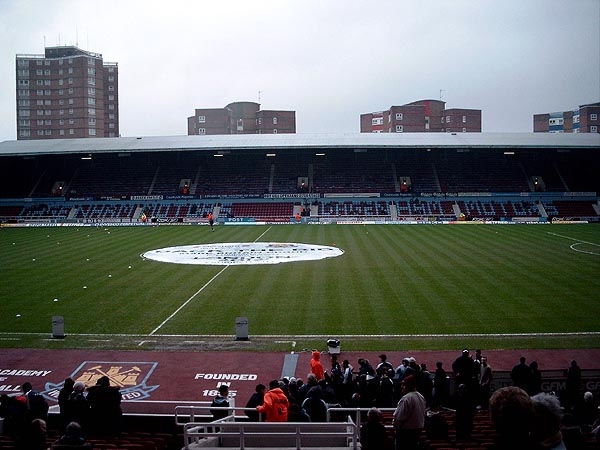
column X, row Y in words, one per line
column 48, row 122
column 39, row 92
column 23, row 83
column 274, row 120
column 71, row 131
column 47, row 92
column 201, row 131
column 39, row 82
column 240, row 125
column 91, row 71
column 61, row 91
column 593, row 116
column 61, row 102
column 377, row 121
column 61, row 132
column 593, row 129
column 111, row 88
column 60, row 82
column 111, row 98
column 91, row 62
column 23, row 72
column 442, row 119
column 47, row 72
column 111, row 107
column 464, row 119
column 91, row 121
column 91, row 91
column 111, row 69
column 92, row 132
column 24, row 122
column 24, row 102
column 399, row 116
column 23, row 93
column 92, row 81
column 47, row 102
column 274, row 130
column 46, row 62
column 40, row 122
column 464, row 130
column 40, row 112
column 61, row 112
column 201, row 119
column 48, row 132
column 111, row 116
column 61, row 122
column 23, row 63
column 111, row 78
column 47, row 112
column 71, row 101
column 24, row 113
column 70, row 70
column 91, row 111
column 24, row 133
column 70, row 80
column 399, row 129
column 40, row 132
column 71, row 121
column 447, row 119
column 111, row 125
column 60, row 71
column 70, row 110
column 91, row 101
column 70, row 91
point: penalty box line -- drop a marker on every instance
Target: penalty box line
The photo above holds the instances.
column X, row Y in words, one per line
column 197, row 292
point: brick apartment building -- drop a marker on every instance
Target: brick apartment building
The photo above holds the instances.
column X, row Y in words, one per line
column 420, row 117
column 241, row 118
column 66, row 93
column 585, row 119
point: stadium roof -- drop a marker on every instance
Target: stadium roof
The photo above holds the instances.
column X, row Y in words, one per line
column 273, row 142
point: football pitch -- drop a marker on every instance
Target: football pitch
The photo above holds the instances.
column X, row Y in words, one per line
column 395, row 286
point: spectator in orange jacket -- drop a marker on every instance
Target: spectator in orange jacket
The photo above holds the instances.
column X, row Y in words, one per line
column 315, row 365
column 275, row 405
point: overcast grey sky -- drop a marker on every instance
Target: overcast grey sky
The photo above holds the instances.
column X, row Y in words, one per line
column 329, row 61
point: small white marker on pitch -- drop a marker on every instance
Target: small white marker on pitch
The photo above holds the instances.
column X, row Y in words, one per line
column 18, row 315
column 109, row 275
column 129, row 267
column 85, row 287
column 55, row 299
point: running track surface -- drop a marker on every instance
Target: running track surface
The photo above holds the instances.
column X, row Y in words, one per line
column 154, row 381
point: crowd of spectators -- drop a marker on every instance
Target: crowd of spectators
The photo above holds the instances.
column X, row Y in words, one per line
column 524, row 417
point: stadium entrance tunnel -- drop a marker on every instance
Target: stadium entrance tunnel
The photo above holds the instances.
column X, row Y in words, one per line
column 242, row 253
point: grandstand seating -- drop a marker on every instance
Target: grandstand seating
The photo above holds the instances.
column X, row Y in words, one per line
column 101, row 189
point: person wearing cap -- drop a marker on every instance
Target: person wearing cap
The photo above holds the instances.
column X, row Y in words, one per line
column 275, row 405
column 79, row 407
column 409, row 416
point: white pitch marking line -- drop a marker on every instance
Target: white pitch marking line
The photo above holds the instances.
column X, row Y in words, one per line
column 198, row 291
column 188, row 300
column 577, row 242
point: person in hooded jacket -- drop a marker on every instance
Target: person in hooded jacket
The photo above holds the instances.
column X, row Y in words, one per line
column 314, row 405
column 275, row 404
column 316, row 366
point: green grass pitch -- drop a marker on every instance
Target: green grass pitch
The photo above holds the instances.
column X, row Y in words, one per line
column 521, row 285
